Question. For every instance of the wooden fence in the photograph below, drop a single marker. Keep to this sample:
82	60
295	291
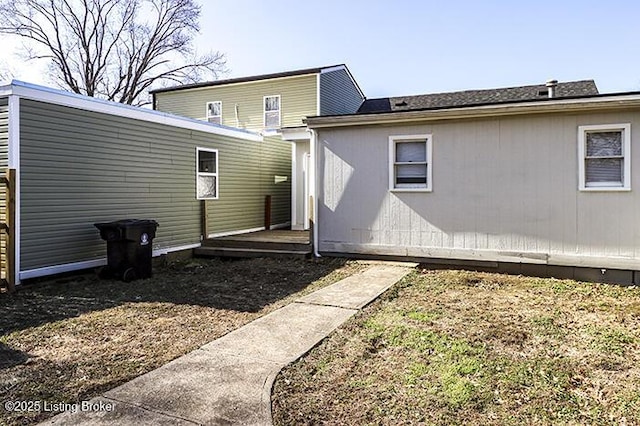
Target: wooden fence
7	229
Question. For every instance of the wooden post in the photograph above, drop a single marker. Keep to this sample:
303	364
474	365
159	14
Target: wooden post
9	181
204	220
267	212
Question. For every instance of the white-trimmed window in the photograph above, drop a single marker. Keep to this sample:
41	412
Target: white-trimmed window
207	174
605	157
214	112
410	163
272	112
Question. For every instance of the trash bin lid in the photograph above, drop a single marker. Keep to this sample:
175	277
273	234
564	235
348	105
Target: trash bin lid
127	223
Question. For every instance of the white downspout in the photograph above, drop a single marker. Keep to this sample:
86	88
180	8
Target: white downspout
315	189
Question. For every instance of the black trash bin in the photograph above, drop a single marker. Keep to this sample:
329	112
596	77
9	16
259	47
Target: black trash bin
129	248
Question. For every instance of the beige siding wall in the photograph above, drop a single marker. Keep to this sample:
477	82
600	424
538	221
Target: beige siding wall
507	185
4	162
298	97
338	94
80	167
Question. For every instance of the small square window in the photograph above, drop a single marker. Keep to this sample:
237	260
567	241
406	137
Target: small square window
410	163
214	112
272	112
604	157
207	174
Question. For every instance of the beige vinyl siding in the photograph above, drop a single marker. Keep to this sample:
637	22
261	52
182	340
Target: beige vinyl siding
503	189
298	99
338	93
4	162
80	167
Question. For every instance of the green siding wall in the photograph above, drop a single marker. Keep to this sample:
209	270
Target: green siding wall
247	175
338	94
80	167
298	97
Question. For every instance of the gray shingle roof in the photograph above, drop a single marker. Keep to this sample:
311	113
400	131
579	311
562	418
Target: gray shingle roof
477	97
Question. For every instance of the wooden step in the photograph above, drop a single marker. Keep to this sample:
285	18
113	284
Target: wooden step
249	252
259	245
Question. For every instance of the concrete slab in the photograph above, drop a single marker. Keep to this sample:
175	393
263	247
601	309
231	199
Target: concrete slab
229	380
120	414
357	291
284	335
205	388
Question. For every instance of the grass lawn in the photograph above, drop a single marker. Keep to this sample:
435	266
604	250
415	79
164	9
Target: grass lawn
452	347
70	339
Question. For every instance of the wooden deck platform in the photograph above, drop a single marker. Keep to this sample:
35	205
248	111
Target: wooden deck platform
271	243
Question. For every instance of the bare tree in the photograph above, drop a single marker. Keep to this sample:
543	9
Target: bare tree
113	49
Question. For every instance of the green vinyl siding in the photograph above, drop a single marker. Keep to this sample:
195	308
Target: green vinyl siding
298	99
4	162
80	167
247	176
338	93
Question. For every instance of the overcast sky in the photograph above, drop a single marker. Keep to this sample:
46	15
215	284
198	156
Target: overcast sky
412	47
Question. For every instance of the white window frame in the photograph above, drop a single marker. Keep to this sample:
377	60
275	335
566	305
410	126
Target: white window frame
625	128
264	111
393	140
212	116
216	174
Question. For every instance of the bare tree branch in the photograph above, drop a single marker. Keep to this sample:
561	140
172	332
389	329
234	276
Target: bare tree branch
114	49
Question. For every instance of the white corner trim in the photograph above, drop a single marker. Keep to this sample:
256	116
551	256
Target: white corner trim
318	93
294	184
626	150
14	163
77	266
73	100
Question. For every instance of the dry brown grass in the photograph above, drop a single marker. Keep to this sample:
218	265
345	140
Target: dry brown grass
71	339
452	347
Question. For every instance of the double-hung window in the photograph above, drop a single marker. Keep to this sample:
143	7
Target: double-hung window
410	163
605	161
272	112
214	112
207	174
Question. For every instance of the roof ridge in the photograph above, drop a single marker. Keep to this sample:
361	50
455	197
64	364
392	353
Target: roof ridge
256	77
485	90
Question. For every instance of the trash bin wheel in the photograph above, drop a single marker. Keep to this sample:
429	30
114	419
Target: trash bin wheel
129	275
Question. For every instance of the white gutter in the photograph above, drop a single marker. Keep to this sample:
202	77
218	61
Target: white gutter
611	102
314	178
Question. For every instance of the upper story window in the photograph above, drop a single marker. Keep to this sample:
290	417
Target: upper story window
207	174
272	112
410	163
605	161
214	112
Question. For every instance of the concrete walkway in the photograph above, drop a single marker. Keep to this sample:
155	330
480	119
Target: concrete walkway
229	380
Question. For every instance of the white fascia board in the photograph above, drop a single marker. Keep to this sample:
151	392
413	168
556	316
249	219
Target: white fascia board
332	69
73	100
521	108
